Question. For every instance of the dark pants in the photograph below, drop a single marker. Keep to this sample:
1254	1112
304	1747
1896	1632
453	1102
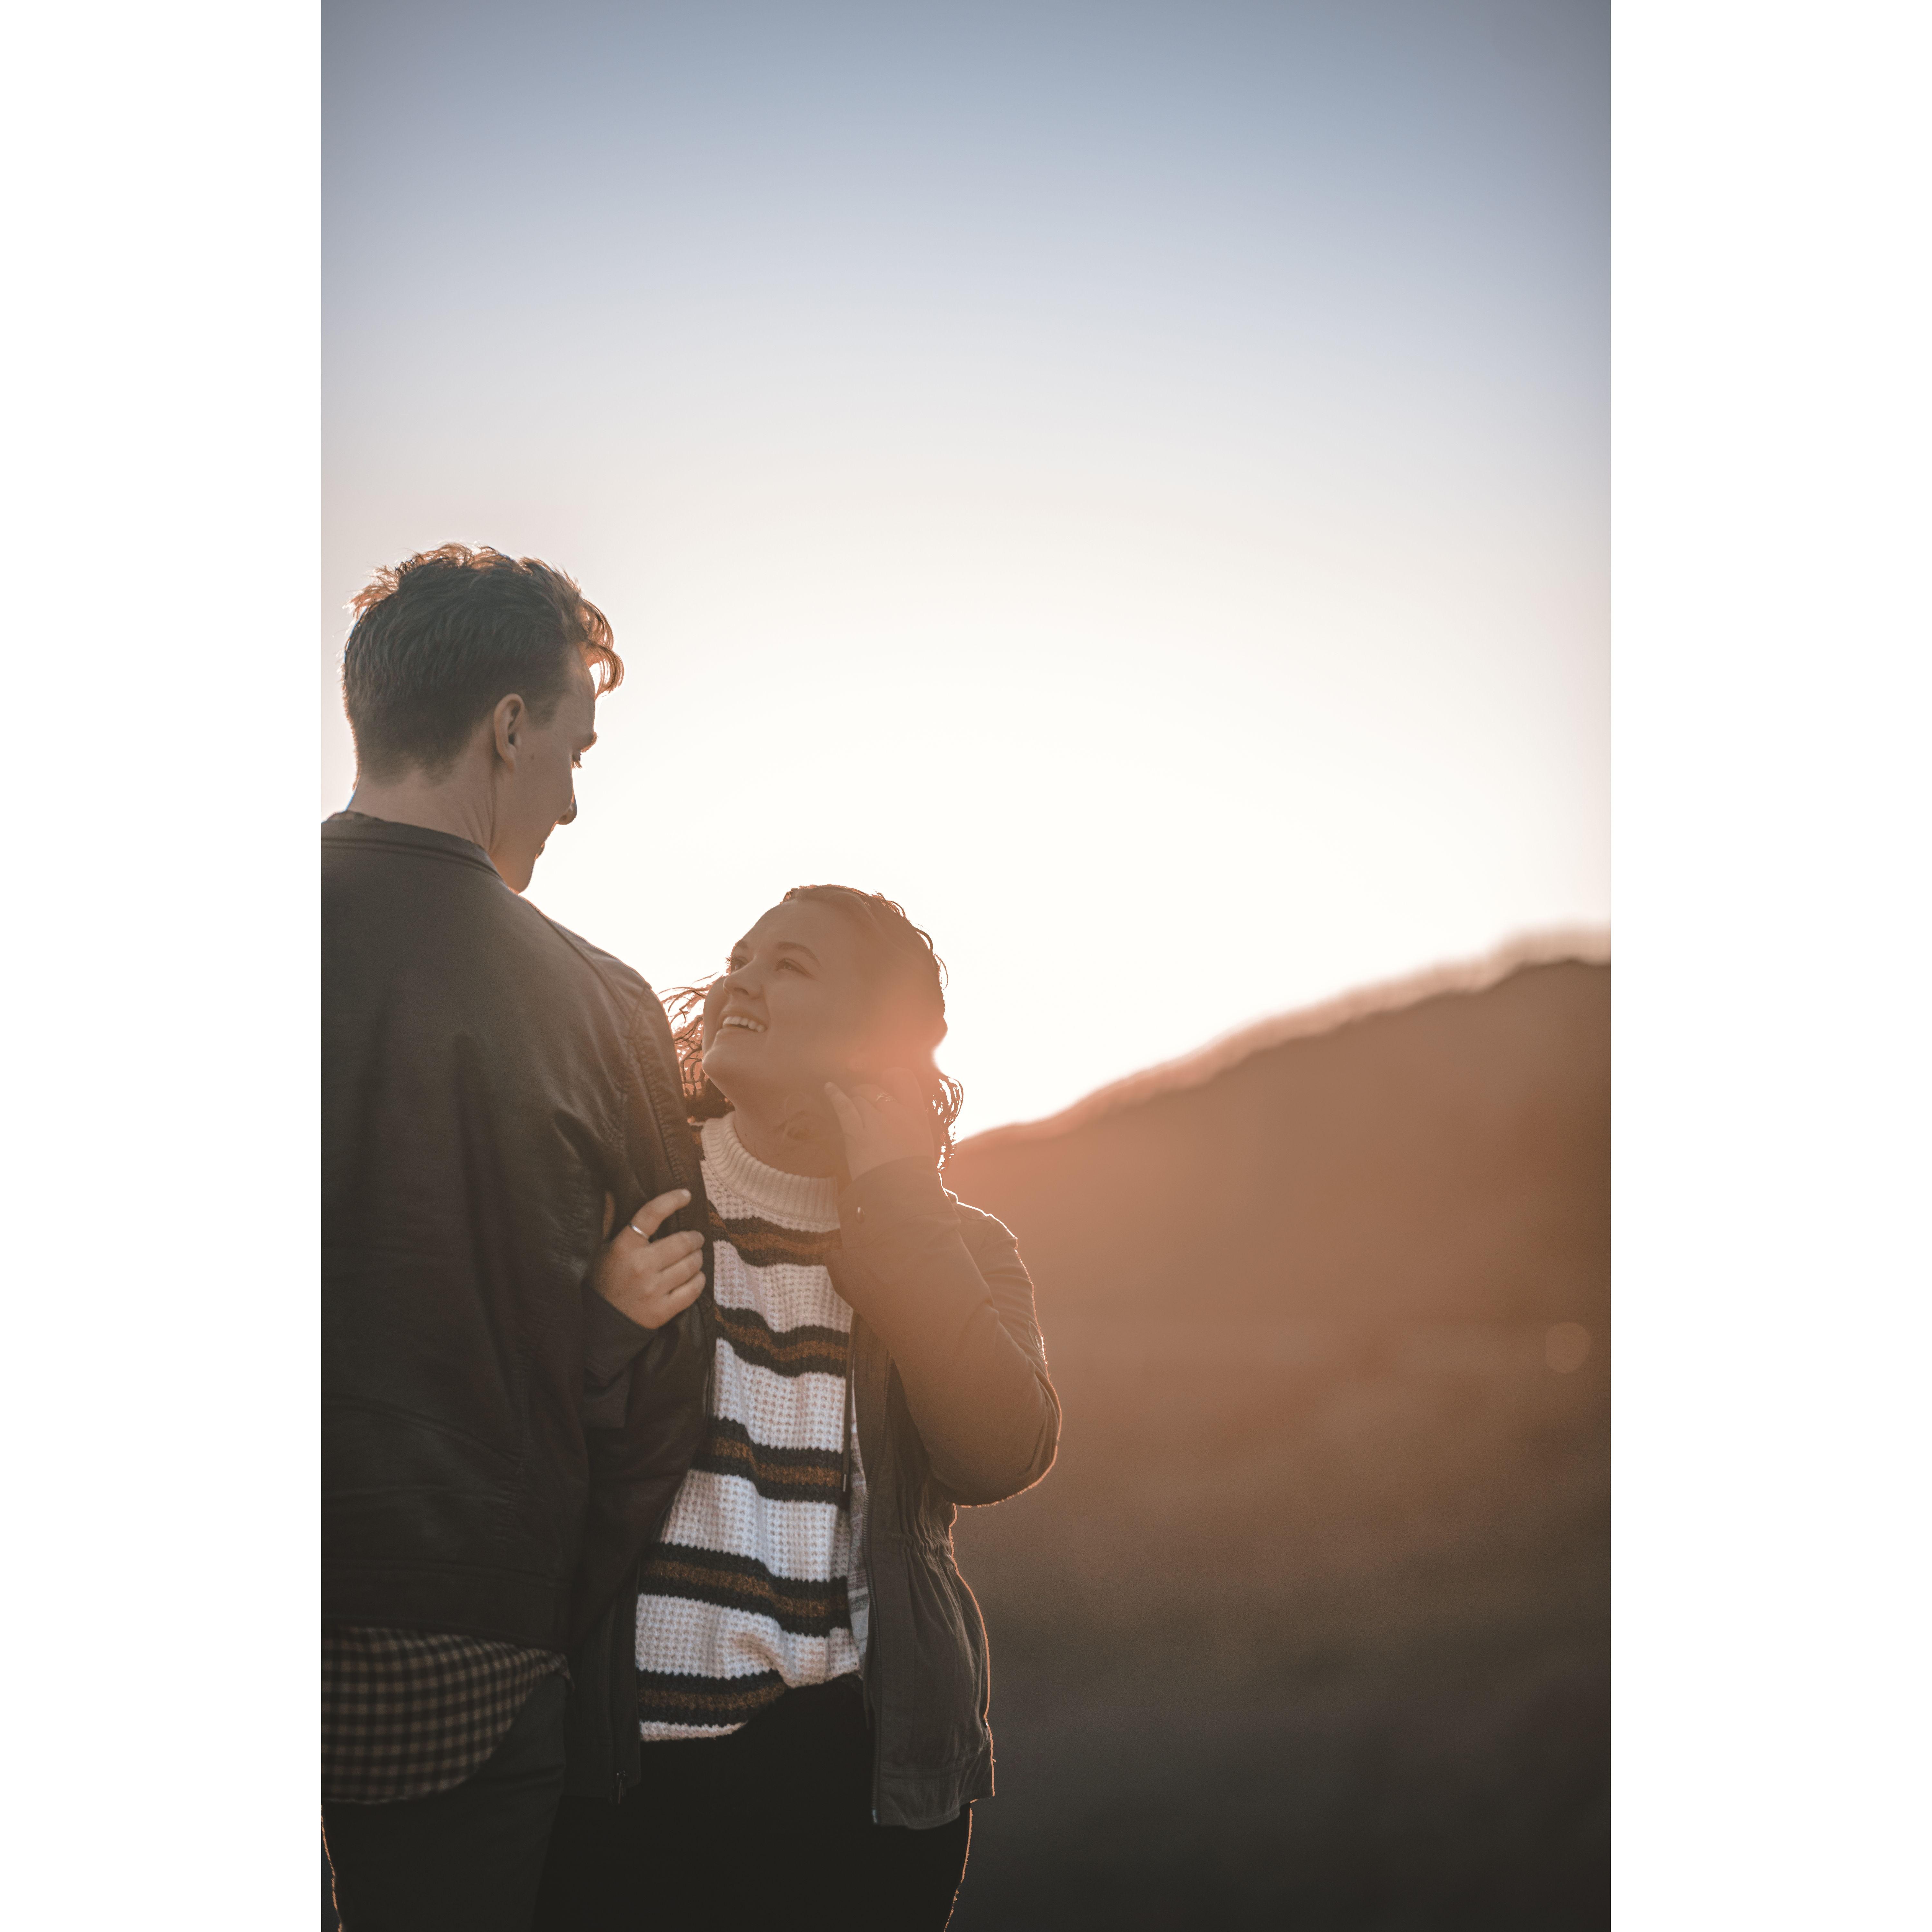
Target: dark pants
770	1826
466	1860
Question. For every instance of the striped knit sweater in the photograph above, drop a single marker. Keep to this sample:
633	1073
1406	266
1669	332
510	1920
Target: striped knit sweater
753	1589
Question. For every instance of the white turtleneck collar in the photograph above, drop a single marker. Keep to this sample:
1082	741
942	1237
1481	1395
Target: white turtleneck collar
803	1200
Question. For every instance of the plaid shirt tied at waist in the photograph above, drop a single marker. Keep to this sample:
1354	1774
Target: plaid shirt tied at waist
406	1714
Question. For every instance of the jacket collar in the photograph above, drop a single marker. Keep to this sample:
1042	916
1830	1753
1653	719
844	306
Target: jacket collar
358	828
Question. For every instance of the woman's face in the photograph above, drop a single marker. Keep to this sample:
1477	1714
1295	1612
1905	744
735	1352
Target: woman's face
792	1011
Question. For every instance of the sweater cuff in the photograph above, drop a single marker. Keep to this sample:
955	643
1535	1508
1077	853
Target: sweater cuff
612	1341
894	1192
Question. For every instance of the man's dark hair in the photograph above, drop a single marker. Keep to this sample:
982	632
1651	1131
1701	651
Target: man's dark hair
441	637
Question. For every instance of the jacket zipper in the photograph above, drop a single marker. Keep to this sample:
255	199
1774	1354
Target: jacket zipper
614	1662
864	1561
848	1423
687	1170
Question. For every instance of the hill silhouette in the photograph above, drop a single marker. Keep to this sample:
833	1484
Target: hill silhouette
1309	1626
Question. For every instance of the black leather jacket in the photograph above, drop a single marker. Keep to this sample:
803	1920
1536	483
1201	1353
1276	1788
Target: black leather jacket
487	1078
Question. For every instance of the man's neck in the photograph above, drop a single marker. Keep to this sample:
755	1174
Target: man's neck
447	805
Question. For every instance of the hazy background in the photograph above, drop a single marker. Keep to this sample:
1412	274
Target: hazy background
1129	481
1308	1625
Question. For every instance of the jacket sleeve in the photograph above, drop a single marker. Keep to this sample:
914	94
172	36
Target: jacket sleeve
612	1341
644	1413
649	1166
960	1326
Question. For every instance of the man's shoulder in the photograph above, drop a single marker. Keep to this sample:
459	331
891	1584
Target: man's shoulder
626	983
405	879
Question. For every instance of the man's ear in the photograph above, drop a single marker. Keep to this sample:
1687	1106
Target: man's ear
507	723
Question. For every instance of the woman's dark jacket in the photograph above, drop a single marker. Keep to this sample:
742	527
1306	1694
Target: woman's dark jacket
950	1387
487	1079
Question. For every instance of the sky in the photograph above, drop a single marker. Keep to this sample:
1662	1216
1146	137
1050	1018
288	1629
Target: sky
1129	481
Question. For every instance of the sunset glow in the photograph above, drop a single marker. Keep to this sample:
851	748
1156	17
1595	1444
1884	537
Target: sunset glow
1129	485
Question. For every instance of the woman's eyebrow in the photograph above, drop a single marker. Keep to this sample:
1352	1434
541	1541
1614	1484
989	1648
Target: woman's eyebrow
796	946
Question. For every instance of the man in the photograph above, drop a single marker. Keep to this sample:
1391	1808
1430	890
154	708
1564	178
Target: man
499	1442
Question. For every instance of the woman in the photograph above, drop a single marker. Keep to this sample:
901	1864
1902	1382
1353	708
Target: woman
812	1670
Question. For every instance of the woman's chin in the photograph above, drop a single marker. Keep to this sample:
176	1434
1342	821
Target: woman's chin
736	1070
717	1070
